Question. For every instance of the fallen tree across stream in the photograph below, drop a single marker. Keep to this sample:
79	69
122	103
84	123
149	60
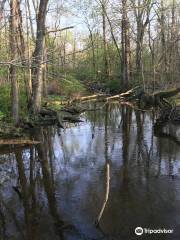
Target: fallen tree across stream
134	97
135	94
71	110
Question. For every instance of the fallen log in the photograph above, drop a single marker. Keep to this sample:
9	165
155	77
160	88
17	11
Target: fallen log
91	97
126	94
157	99
72	119
135	94
73	110
47	112
53	115
18	142
45	121
168	93
7	149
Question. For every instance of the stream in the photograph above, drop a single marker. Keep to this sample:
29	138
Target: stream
111	168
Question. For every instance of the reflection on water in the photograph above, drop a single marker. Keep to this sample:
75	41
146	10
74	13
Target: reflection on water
110	169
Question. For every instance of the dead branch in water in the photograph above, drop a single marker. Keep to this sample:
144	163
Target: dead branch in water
106	195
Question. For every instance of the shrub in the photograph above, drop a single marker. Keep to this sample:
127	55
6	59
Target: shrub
5	102
67	86
114	85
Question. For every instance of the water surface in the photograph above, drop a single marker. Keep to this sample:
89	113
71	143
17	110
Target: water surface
57	189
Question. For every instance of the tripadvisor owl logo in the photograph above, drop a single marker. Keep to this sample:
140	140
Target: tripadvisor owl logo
139	231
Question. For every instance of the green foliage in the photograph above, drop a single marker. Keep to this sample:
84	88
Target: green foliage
65	86
1	115
85	70
3	72
23	104
5	102
114	85
71	86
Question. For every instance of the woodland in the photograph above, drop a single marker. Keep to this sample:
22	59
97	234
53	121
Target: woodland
89	119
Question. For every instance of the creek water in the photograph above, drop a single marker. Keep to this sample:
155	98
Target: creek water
112	166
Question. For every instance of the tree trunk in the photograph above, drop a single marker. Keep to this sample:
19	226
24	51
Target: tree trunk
38	57
142	12
125	48
106	60
29	75
30	19
163	40
111	30
139	44
22	52
93	48
13	25
45	72
174	46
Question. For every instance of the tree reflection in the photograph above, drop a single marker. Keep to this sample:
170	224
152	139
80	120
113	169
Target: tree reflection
126	127
2	223
27	193
27	188
48	183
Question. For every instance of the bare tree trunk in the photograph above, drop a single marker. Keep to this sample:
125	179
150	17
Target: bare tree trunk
22	52
152	50
64	53
174	47
125	48
163	40
74	54
13	25
29	77
140	36
45	72
139	44
142	12
112	33
93	50
106	60
30	19
38	57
